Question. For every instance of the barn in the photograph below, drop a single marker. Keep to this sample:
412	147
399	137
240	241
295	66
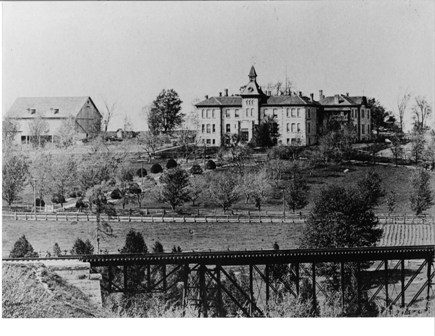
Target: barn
43	117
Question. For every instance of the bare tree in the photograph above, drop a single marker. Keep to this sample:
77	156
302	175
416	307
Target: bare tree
422	110
67	134
402	105
38	127
9	131
108	115
150	143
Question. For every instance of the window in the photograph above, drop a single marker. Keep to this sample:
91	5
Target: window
227	113
203	127
363	130
288	128
208	114
202	114
299	127
55	111
236	114
274	112
213	141
288	115
308	113
308	128
212	113
362	113
293	128
247	112
299	112
228	128
208	141
266	111
288	141
32	111
214	128
293	112
309	141
208	128
252	112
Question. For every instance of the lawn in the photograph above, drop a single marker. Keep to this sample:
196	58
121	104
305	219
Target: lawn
189	236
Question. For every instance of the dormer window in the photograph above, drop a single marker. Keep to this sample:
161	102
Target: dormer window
32	111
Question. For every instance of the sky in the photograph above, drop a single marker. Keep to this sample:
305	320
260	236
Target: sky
126	53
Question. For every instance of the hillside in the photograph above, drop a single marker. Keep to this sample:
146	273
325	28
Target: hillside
31	291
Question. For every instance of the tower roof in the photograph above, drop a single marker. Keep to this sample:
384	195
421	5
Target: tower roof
252	73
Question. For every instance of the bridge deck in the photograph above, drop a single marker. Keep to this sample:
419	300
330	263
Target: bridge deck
258	257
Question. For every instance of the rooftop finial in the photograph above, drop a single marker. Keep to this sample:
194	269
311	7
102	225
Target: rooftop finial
252	74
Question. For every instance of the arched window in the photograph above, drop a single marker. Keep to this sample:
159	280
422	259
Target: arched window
293	128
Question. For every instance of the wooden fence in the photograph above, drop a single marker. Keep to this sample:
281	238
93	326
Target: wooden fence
69	217
165	218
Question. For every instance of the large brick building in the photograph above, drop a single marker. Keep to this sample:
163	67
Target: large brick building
54	111
299	118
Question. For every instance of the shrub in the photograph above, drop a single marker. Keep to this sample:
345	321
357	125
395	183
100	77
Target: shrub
40	202
196	170
80	204
57	252
22	248
80	247
56	199
171	164
134	188
127	176
210	165
156	168
116	194
142	172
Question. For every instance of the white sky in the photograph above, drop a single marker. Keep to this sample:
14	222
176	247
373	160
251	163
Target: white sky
127	52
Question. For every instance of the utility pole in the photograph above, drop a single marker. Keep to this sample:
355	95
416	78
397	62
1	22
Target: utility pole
34	195
283	202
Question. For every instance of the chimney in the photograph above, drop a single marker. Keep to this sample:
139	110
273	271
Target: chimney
226	92
206	96
336	99
312	96
220	94
347	94
321	96
300	93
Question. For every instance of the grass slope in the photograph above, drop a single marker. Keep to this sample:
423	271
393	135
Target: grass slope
31	291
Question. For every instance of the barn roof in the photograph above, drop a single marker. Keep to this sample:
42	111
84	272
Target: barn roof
47	107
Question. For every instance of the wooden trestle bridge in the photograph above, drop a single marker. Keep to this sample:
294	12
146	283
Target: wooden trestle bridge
391	277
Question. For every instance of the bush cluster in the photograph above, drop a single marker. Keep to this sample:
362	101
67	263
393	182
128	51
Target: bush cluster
156	168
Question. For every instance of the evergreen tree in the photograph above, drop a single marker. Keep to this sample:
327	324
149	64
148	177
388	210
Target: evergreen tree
421	195
23	249
175	187
81	248
296	193
371	188
134	243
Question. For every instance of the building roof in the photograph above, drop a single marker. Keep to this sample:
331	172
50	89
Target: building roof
289	100
235	101
342	100
47	106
